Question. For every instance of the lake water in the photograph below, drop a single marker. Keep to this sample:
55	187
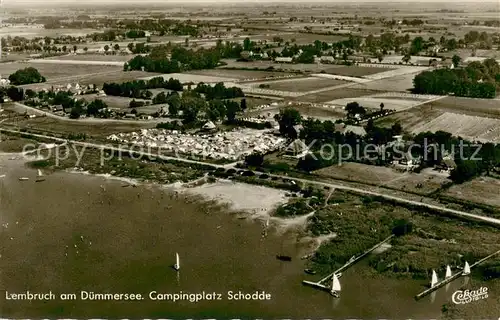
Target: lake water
130	237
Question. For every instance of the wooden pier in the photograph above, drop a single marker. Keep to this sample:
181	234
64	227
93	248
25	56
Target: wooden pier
319	284
453	277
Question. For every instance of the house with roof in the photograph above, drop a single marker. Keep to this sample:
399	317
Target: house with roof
296	150
209	126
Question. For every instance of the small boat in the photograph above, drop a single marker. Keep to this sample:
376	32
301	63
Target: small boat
434	279
177	265
466	269
24	179
39	177
309	271
335	287
284	258
267	223
448	272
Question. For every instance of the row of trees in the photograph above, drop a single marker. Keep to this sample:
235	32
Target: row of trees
477	80
181	59
137	88
219	91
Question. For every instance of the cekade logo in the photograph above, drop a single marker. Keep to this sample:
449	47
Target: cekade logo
467	296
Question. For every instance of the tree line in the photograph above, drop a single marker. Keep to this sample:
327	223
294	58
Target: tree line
470	160
139	88
476	80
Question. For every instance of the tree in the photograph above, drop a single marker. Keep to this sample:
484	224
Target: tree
287	119
75	113
247	44
380	57
116	47
106	49
243	104
381	106
64	49
160	98
75	48
406	58
232	109
85	49
456	60
26	76
255	159
186	42
174	104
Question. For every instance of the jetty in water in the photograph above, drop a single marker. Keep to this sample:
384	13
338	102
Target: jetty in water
320	283
457	275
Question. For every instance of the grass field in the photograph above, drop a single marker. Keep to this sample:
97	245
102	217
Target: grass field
239	74
374	103
473	107
53	71
355	71
325	96
95	57
384	176
482	190
51	125
111	101
302	85
397	83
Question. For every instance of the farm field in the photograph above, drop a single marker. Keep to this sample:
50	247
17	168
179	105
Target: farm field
94	129
473	107
469	127
303	84
397	83
111	101
240	74
304	38
329	95
53	72
355	71
194	78
94	57
481	190
98	79
291	67
374	102
384	176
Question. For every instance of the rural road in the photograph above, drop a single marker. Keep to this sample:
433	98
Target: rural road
38	112
314	182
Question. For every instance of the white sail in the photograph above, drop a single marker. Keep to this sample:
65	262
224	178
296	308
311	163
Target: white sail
434	279
335	283
267	223
177	264
448	272
40	174
466	268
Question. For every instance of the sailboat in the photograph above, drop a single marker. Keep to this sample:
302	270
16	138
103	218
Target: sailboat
466	269
177	265
335	286
40	177
448	272
434	279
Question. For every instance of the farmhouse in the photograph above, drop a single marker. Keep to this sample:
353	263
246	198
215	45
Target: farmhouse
295	150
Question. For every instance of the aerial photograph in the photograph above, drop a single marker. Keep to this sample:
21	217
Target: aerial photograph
249	159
